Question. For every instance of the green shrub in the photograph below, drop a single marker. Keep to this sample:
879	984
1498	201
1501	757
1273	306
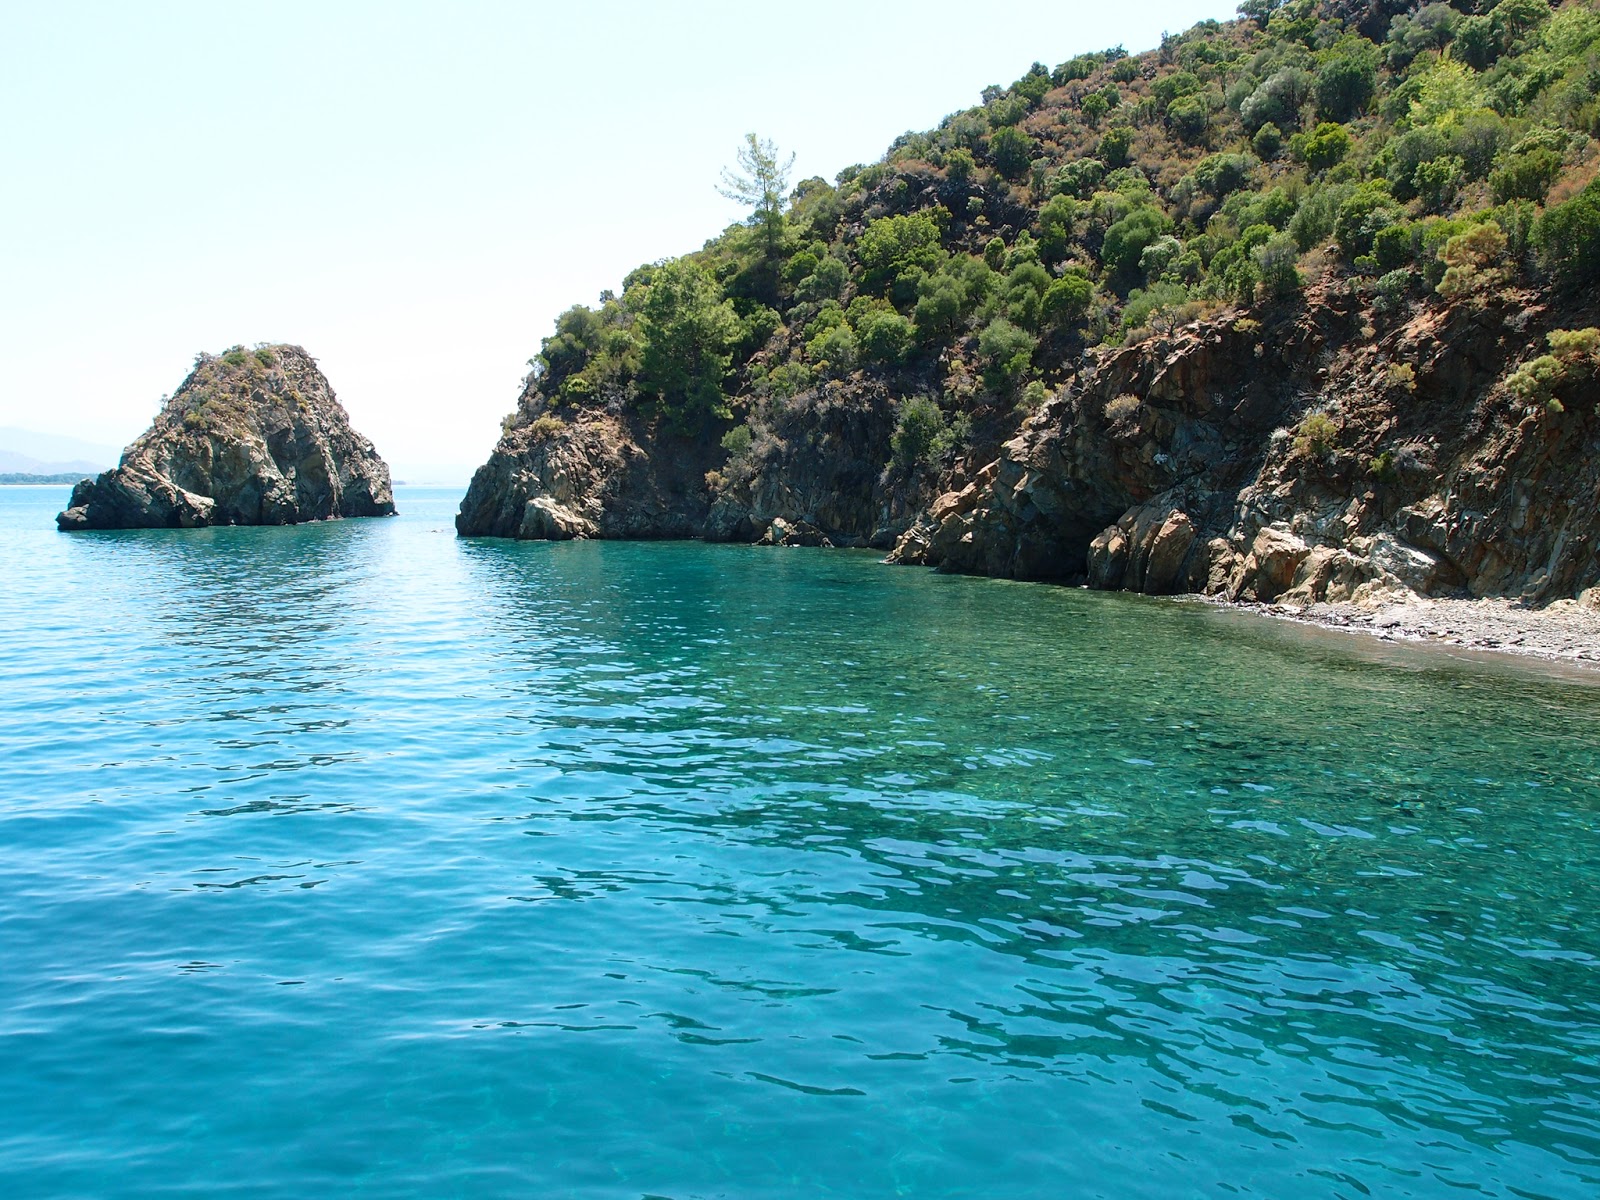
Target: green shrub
1526	176
1317	215
1126	240
545	427
689	333
1277	267
940	307
1067	299
1189	119
1122	409
919	430
1574	358
1393	247
1346	78
1316	435
1007	353
885	338
1278	100
1267	142
1568	237
1056	219
1471	261
1392	290
1324	147
891	247
1115	145
1401	376
1012	151
1220	174
1158	300
835	350
1080	177
1367	210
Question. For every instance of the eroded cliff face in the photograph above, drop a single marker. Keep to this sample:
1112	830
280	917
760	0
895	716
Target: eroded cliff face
819	480
597	475
1331	452
250	438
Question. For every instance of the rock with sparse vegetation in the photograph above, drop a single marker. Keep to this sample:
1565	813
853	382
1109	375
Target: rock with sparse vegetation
252	437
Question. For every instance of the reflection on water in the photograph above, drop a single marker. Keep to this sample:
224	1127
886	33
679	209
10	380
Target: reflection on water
389	863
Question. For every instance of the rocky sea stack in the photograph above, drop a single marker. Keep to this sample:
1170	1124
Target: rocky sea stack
252	437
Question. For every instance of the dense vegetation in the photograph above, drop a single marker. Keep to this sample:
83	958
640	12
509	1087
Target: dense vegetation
1395	149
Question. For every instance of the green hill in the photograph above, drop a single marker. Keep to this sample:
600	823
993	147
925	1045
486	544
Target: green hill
1322	239
1430	149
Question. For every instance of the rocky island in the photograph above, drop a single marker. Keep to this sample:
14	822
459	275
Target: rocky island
252	437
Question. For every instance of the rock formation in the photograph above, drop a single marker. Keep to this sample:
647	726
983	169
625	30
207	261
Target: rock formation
596	473
1335	453
252	437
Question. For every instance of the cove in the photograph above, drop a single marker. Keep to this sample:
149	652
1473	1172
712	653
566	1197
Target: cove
358	858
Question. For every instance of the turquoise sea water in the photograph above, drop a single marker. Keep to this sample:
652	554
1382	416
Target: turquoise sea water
355	859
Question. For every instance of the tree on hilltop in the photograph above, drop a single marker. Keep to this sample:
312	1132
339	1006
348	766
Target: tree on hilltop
761	182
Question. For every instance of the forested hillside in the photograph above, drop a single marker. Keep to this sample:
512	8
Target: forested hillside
902	321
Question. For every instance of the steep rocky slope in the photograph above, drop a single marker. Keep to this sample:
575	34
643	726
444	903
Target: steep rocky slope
250	438
1315	457
1296	307
615	475
1332	452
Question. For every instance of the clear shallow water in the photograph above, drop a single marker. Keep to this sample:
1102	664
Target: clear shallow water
357	859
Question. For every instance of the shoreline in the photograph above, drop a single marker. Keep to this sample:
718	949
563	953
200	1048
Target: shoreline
1565	632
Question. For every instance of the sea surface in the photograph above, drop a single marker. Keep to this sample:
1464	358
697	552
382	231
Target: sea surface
355	859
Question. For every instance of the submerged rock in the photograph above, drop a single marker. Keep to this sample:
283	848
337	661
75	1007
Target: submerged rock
252	437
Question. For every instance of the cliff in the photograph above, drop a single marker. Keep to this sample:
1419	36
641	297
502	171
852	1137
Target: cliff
1316	457
252	437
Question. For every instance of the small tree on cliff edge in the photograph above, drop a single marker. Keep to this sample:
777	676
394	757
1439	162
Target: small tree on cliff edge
761	182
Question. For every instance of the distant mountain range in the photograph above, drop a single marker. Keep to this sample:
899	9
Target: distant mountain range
25	451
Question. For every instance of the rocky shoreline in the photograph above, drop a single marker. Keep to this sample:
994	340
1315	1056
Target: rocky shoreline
1567	631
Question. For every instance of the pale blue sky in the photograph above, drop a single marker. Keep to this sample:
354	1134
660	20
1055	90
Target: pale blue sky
413	191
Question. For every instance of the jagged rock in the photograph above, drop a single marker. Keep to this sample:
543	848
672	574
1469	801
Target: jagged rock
1146	551
1168	550
250	438
1177	463
1108	559
793	533
1269	569
1442	485
544	519
629	477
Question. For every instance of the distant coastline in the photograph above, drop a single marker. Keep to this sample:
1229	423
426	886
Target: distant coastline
25	477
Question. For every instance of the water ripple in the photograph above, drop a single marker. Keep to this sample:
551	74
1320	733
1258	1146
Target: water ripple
390	864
